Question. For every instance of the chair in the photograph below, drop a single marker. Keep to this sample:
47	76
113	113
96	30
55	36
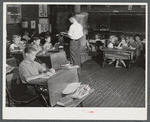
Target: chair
46	89
17	93
40	89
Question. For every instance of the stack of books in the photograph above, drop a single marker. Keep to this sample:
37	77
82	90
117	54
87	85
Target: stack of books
80	92
65	101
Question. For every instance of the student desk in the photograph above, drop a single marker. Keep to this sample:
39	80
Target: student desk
120	54
57	83
53	59
17	55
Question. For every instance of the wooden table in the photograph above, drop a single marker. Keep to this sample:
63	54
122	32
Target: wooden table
119	54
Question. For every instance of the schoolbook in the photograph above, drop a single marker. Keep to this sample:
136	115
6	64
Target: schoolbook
80	92
65	101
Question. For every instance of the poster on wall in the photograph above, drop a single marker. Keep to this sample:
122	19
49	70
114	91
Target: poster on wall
33	24
45	10
43	25
24	24
42	10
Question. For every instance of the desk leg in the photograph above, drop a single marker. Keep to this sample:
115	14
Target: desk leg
103	64
129	65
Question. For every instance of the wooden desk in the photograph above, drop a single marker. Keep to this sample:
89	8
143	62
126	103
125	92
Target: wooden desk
57	83
53	59
17	55
77	102
120	54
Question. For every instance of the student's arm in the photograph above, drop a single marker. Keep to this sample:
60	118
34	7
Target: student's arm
119	45
28	79
69	33
26	76
12	49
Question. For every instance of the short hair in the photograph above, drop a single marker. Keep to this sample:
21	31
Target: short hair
26	32
72	15
36	38
47	36
14	37
29	49
136	36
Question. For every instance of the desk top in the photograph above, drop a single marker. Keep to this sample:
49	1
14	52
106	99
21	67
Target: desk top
105	49
43	81
16	52
48	53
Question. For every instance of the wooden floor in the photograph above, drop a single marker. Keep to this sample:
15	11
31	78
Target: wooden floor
114	87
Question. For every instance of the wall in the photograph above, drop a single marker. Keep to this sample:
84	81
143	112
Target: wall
13	20
116	18
59	17
30	13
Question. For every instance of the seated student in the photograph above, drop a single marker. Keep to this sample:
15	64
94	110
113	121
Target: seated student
127	39
137	44
97	37
36	45
130	40
15	45
26	36
111	45
123	43
47	46
117	41
30	69
111	42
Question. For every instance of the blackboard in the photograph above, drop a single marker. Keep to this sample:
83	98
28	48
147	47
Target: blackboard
127	23
13	29
98	20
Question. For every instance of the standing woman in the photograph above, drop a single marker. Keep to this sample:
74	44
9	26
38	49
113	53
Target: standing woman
75	33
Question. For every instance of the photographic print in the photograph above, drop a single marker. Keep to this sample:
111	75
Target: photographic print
90	65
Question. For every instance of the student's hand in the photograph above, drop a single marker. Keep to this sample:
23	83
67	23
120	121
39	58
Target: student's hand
52	70
49	74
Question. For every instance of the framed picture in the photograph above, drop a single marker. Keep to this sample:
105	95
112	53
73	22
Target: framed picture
24	24
33	24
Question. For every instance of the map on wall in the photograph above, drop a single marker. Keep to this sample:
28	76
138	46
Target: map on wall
13	14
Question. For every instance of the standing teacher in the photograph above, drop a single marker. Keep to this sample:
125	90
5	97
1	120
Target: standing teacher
75	33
